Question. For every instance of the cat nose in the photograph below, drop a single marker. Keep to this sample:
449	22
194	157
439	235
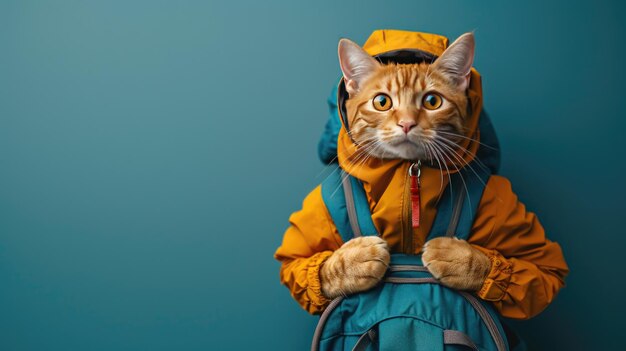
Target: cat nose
406	125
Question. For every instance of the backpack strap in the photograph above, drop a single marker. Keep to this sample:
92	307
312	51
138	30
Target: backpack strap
458	205
450	337
456	212
358	207
347	204
348	207
353	218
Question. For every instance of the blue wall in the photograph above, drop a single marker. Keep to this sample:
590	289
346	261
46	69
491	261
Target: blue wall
152	151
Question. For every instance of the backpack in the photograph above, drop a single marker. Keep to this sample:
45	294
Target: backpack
409	310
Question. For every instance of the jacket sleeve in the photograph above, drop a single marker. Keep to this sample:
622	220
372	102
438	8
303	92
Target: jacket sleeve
527	269
307	243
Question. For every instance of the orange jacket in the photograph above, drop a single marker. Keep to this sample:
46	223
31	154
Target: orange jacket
527	269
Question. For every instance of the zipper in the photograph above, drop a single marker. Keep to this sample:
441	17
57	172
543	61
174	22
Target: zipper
414	173
411	206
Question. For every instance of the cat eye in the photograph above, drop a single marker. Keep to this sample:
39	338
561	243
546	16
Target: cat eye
382	102
432	101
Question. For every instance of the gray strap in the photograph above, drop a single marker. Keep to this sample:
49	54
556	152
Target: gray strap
456	211
450	337
317	336
365	341
352	217
497	337
407	280
407	268
455	337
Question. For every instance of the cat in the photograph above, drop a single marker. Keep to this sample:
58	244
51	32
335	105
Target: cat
411	112
408	99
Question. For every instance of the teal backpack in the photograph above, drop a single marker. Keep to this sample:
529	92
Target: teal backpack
409	310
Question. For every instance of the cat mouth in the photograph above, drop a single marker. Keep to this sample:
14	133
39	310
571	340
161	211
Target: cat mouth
407	149
404	141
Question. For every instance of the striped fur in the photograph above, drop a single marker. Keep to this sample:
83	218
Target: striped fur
356	266
406	85
360	263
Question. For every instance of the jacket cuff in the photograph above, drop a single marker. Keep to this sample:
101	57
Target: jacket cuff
497	281
314	292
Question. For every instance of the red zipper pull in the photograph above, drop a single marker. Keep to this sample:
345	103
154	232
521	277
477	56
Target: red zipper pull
415	194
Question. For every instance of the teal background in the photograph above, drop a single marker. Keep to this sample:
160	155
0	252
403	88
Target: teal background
152	151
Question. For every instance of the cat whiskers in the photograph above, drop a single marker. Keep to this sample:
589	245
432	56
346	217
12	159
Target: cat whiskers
451	146
468	138
359	162
438	145
440	156
358	158
475	157
369	154
335	168
485	168
431	155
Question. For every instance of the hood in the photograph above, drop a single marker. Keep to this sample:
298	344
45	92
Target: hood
408	47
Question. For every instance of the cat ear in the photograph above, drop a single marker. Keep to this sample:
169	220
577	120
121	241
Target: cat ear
356	65
456	62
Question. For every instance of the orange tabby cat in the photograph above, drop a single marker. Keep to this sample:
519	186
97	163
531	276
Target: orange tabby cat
417	112
407	117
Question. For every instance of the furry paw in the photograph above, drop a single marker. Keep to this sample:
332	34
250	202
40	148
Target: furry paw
356	266
456	263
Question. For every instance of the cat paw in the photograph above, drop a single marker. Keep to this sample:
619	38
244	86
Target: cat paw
358	265
455	263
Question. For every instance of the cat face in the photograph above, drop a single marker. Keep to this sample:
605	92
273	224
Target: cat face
407	111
